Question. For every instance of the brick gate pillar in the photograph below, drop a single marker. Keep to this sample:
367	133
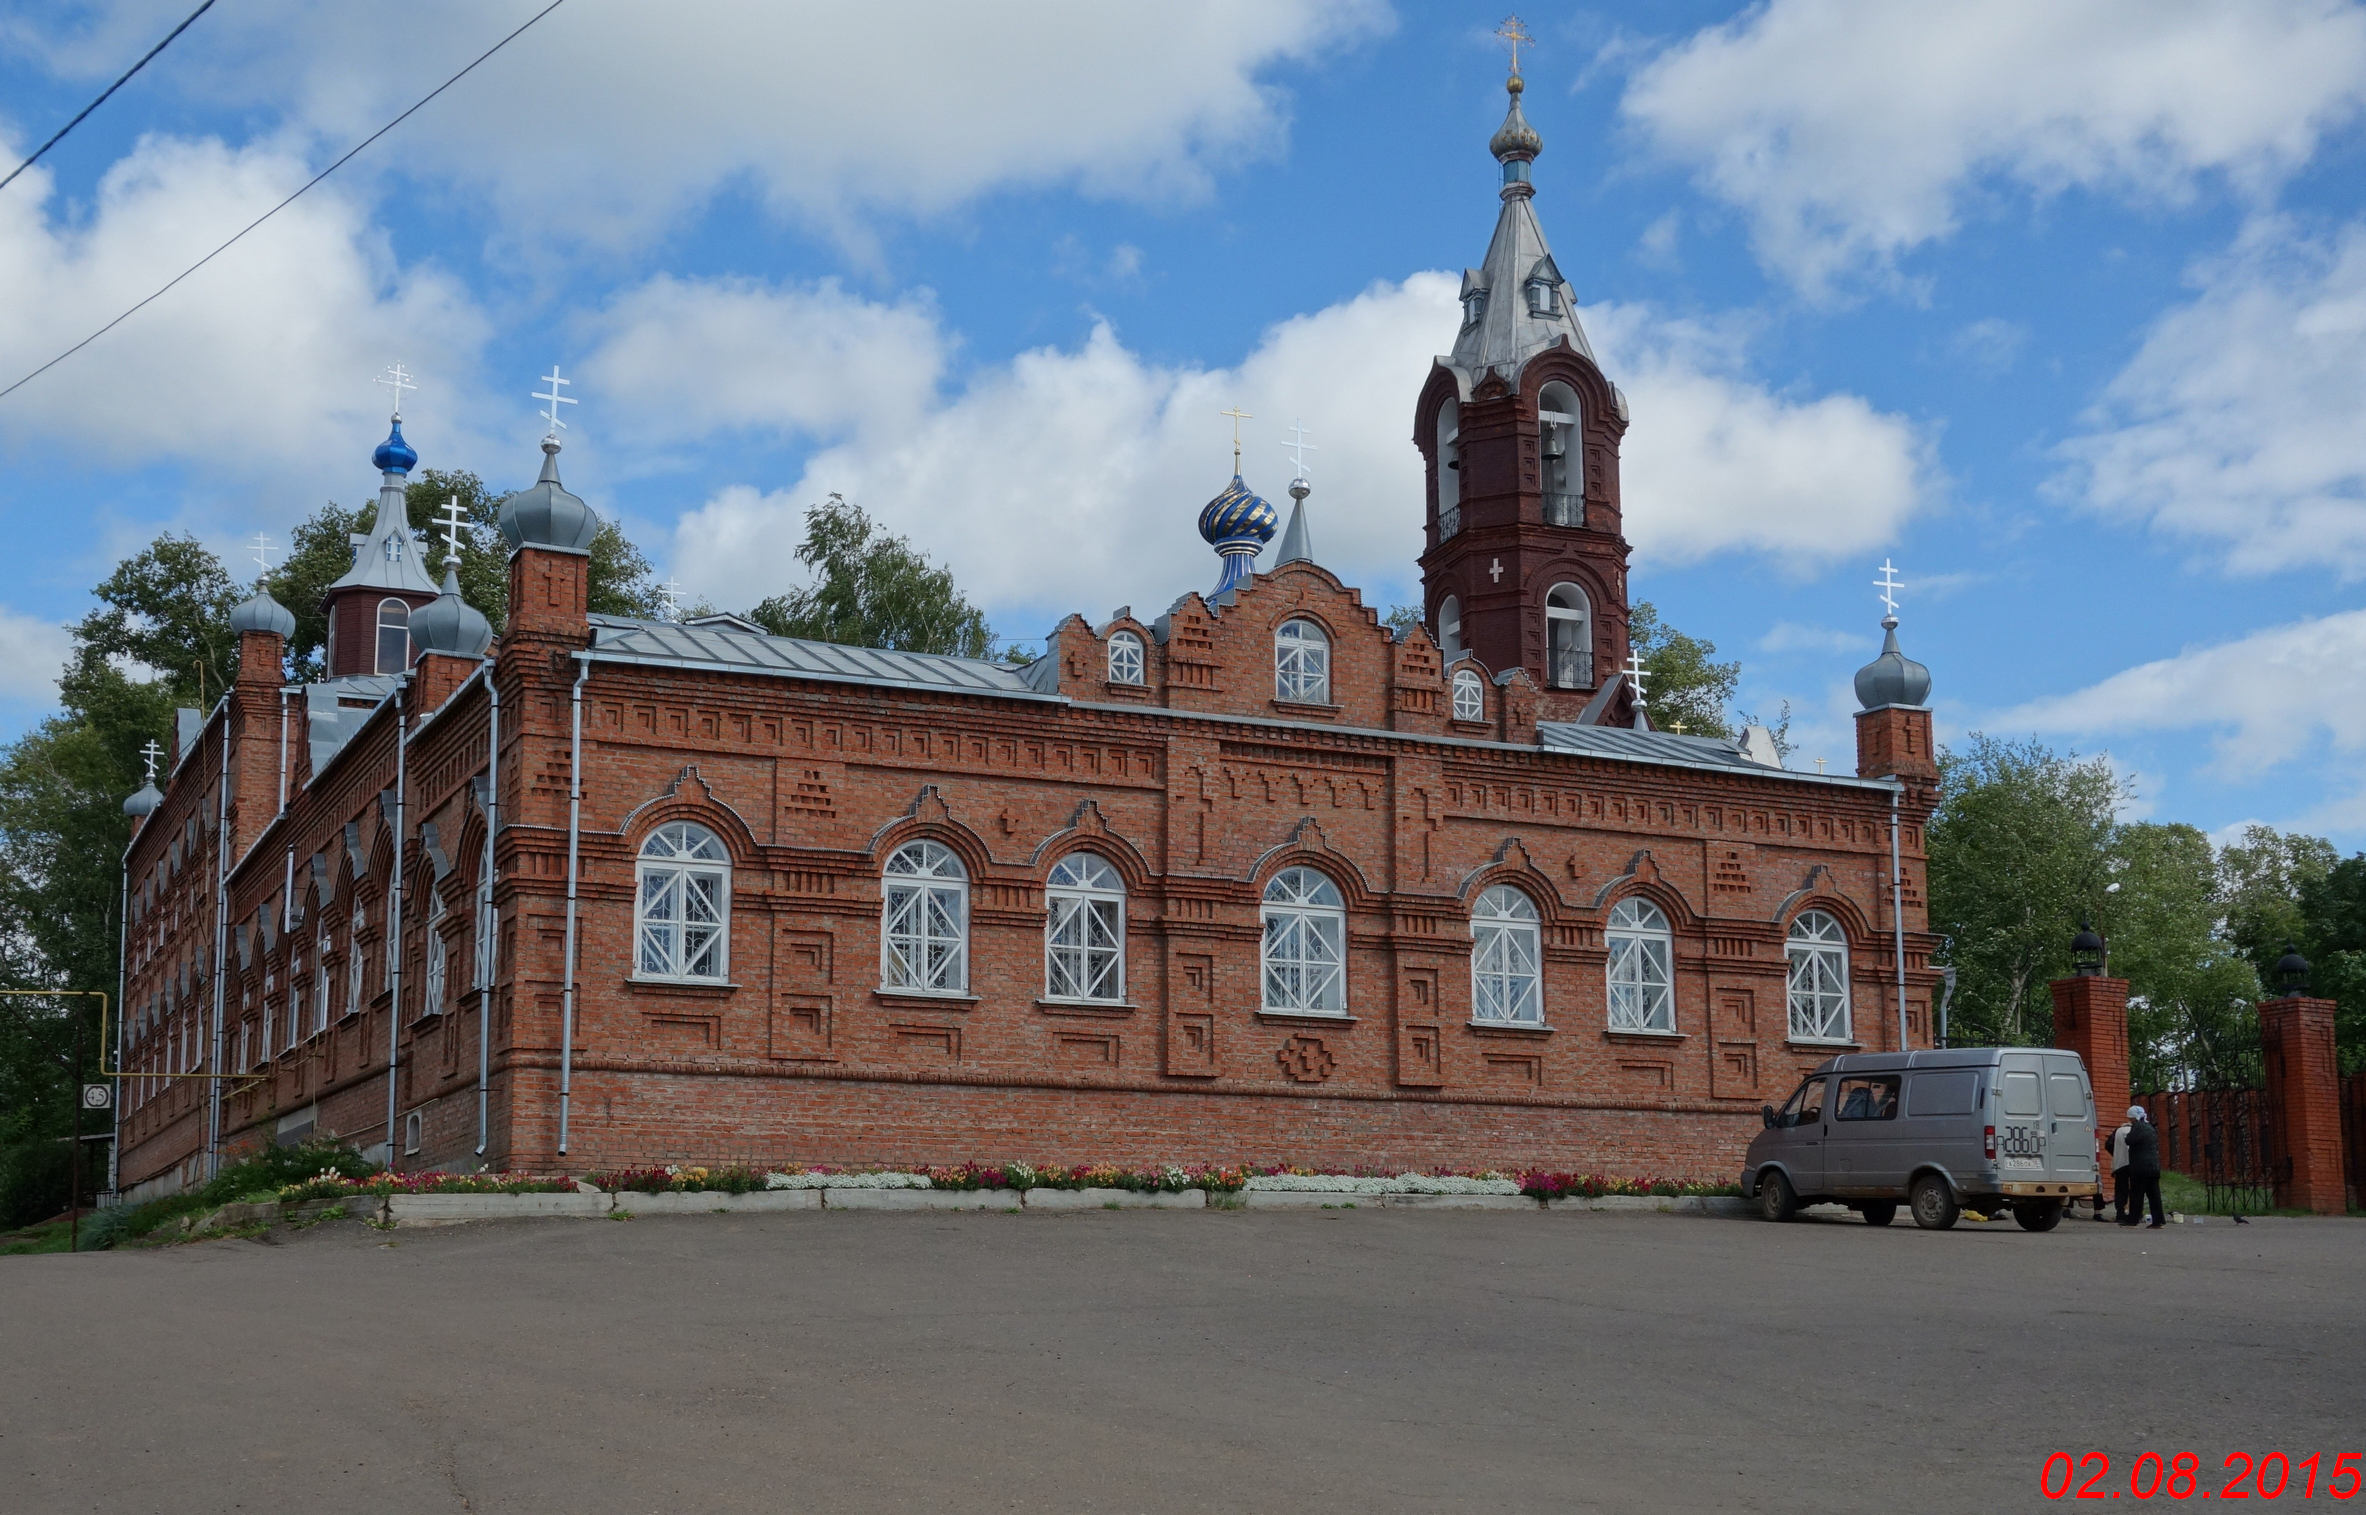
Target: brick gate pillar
2303	1100
2091	1019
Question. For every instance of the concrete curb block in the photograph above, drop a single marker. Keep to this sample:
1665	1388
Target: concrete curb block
451	1209
1341	1199
708	1202
1115	1199
1455	1201
918	1199
1664	1204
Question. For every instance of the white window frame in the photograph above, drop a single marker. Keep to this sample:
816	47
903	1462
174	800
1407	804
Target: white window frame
1128	663
924	921
681	866
1450	626
356	962
1301	662
1507	959
1470	696
487	923
1084	929
1581	617
432	981
1302	956
1640	976
1449	439
382	625
320	979
1816	958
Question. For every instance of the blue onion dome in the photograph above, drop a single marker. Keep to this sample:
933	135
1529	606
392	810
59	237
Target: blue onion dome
545	515
1893	678
449	624
1515	138
143	801
263	613
1238	514
394	455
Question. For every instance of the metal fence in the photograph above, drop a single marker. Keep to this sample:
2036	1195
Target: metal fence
2221	1137
2353	1133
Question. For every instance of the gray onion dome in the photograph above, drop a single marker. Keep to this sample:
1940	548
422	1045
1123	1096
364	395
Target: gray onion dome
449	624
263	613
1893	678
147	797
545	515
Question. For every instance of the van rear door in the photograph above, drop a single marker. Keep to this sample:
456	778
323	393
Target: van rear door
2070	1121
2021	1119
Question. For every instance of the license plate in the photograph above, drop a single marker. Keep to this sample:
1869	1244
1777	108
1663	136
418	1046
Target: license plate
2022	1147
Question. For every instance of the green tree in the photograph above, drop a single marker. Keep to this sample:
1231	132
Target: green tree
2333	937
2191	991
871	589
1684	684
168	607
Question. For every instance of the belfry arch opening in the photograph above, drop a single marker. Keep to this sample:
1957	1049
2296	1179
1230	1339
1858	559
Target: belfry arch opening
1557	419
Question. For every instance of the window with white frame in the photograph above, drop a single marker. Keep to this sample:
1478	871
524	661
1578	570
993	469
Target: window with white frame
481	948
394	636
1302	663
1507	953
1642	968
1818	953
1470	696
392	940
432	1002
270	992
1450	626
924	920
1449	468
355	961
1305	948
320	978
1569	637
1125	658
1084	931
683	902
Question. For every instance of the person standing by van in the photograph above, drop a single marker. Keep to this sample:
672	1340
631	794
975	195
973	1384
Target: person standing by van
2144	1170
2118	1152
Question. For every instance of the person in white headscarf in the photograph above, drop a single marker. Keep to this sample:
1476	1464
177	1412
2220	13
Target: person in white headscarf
2144	1170
2117	1150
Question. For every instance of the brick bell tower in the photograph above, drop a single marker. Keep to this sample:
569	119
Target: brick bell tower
1526	563
369	609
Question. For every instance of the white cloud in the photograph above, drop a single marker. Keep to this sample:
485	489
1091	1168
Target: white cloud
613	119
1071	478
1790	636
1990	344
2270	696
259	360
1850	132
2236	425
32	654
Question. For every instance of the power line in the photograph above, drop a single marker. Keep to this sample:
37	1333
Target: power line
102	99
284	204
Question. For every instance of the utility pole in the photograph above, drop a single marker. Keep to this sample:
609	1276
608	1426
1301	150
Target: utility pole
74	1150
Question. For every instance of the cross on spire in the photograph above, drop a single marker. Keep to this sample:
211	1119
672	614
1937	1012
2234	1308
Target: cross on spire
1514	33
152	752
669	595
550	412
454	522
398	379
1636	673
1298	447
1238	415
260	551
1889	584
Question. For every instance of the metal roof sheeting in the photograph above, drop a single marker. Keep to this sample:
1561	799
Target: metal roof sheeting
619	638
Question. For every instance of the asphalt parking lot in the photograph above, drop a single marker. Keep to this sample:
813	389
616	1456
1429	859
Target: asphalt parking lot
1361	1360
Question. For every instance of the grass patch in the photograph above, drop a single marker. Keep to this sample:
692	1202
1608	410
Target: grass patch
49	1236
2186	1195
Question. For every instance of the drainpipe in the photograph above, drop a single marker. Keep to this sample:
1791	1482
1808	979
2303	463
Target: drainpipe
394	924
488	943
213	1085
284	693
122	953
1898	915
574	833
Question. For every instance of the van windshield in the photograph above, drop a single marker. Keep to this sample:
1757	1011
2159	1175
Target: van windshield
1806	1107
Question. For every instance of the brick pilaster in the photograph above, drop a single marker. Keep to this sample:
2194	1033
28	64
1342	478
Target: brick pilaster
2091	1019
2304	1103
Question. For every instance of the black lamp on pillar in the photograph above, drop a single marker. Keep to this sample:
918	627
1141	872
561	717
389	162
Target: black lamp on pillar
2086	951
2290	974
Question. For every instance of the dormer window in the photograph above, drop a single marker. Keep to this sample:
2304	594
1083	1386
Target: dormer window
1470	696
1125	658
1474	305
1543	299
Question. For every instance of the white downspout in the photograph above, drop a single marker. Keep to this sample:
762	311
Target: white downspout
1898	915
122	977
213	1085
394	931
489	942
574	833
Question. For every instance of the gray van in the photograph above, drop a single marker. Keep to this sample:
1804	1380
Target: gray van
1934	1129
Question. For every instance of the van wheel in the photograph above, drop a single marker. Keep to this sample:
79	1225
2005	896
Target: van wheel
2038	1214
1776	1199
1934	1203
1880	1213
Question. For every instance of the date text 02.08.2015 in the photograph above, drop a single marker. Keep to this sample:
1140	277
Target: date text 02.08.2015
2243	1475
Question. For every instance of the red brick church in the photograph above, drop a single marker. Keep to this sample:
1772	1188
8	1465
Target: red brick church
1257	879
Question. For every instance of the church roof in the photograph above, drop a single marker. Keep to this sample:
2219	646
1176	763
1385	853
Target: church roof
1509	331
1668	747
387	556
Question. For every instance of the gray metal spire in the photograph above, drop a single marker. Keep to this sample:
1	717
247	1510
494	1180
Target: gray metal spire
1515	303
1297	539
387	556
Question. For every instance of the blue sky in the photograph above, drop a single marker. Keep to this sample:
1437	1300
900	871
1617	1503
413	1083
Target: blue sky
2062	308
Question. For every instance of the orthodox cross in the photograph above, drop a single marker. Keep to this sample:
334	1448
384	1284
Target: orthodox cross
1238	415
1514	33
398	379
453	523
669	595
261	551
1635	676
152	752
550	412
1820	764
1298	447
1889	584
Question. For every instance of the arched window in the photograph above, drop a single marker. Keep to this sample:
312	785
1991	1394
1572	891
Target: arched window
1507	987
1818	953
924	921
432	1002
481	974
1569	637
320	979
1564	456
355	961
270	992
683	905
1449	468
1084	931
1450	626
1470	696
1642	976
393	939
1305	944
394	636
1125	658
1302	663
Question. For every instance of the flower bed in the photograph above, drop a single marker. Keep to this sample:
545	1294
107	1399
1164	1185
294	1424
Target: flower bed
1169	1178
333	1185
1539	1183
1397	1183
676	1179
